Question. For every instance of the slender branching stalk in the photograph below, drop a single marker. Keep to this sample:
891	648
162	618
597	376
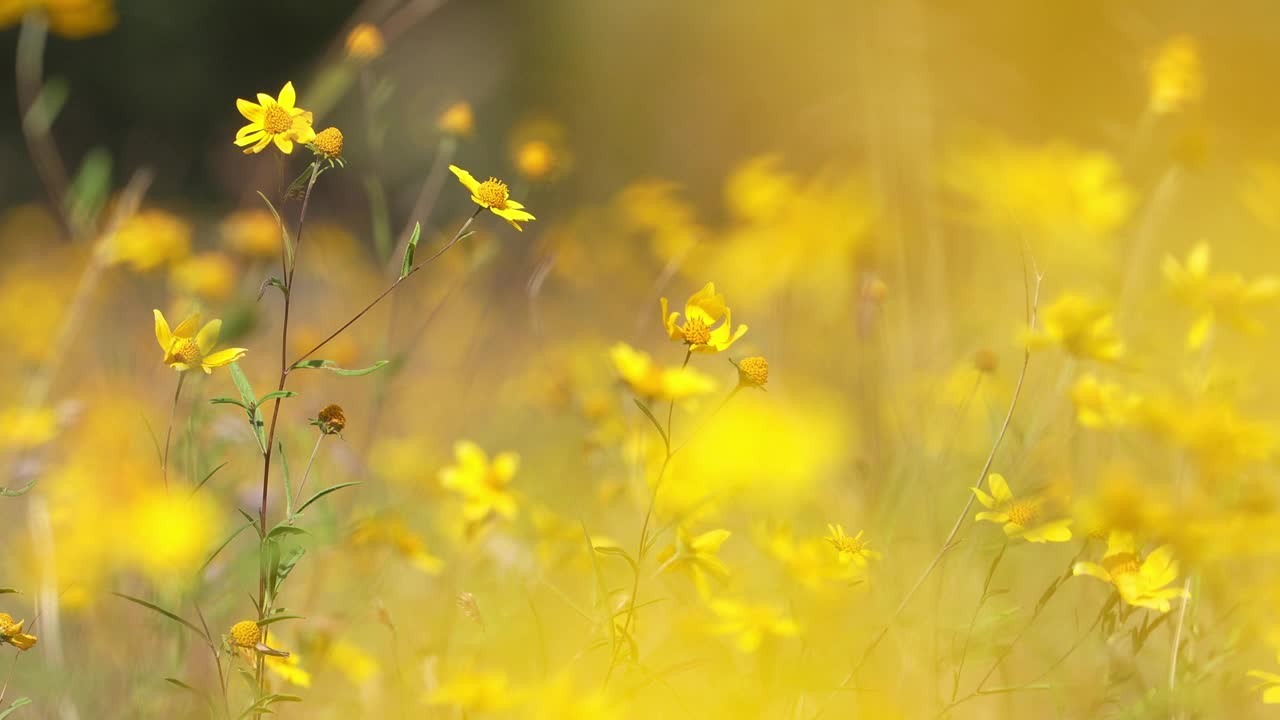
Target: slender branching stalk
168	434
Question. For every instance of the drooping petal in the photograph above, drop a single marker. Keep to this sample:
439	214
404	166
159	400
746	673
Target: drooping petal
164	336
207	338
465	178
986	500
1159	568
225	356
710	304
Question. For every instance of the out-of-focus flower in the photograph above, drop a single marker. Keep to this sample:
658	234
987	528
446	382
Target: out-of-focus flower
758	190
1176	78
808	561
699	556
1271	683
274	120
483	485
1080	326
171	533
328	143
457	119
1140	581
653	382
252	232
1124	501
289	668
1217	296
365	43
749	624
390	531
561	699
493	195
11	632
852	549
700	330
534	159
27	427
148	239
753	372
1220	438
209	275
185	348
351	660
538	149
73	19
475	692
1104	405
1020	518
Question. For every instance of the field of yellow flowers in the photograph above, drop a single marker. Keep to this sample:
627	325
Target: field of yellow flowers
639	359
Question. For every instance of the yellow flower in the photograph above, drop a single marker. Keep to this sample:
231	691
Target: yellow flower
27	427
1102	405
700	331
476	692
252	232
392	532
493	195
1217	296
148	239
852	549
457	119
808	561
1270	681
245	634
482	485
274	121
750	624
1140	582
365	43
652	382
288	667
753	372
184	348
328	143
209	275
1176	78
1021	518
11	632
535	159
171	533
72	19
1080	326
698	556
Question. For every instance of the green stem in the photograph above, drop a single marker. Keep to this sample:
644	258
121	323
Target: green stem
168	435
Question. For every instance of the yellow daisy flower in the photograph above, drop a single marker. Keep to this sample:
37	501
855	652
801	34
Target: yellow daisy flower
1140	581
493	195
184	348
749	624
274	120
1021	518
482	485
11	632
697	555
852	549
1081	326
699	331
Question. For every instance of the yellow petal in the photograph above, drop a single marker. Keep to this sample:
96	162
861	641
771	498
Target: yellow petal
284	143
208	336
505	465
266	101
164	336
465	178
999	488
251	111
223	357
1092	570
187	328
287	96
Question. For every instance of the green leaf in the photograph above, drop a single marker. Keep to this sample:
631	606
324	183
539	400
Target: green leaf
8	591
225	543
324	492
284	232
409	250
330	366
20	702
209	476
272	281
88	192
242	384
280	531
649	414
202	694
618	552
278	618
227	401
6	492
288	483
48	104
166	613
274	394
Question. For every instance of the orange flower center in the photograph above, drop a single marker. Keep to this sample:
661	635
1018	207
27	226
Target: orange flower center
1122	564
754	371
329	142
696	332
276	120
493	193
1023	513
185	351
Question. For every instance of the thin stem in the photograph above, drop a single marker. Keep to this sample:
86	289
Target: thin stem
982	601
1177	634
427	196
1032	310
310	462
217	660
168	435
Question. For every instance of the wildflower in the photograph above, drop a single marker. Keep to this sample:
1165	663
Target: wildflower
147	240
27	427
652	382
808	561
493	195
457	119
852	549
171	533
73	19
1021	518
11	632
184	348
750	624
276	121
1140	582
331	420
700	330
474	692
986	361
245	634
288	667
534	159
698	556
1176	79
482	485
208	275
1217	296
251	232
328	143
391	531
1270	681
365	43
1080	326
1101	405
753	372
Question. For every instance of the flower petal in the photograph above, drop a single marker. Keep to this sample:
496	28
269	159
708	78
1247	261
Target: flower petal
287	96
465	178
999	488
208	336
251	111
164	335
223	357
188	327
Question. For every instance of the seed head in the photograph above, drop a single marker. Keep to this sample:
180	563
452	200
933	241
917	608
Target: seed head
696	331
328	143
753	371
331	420
246	634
